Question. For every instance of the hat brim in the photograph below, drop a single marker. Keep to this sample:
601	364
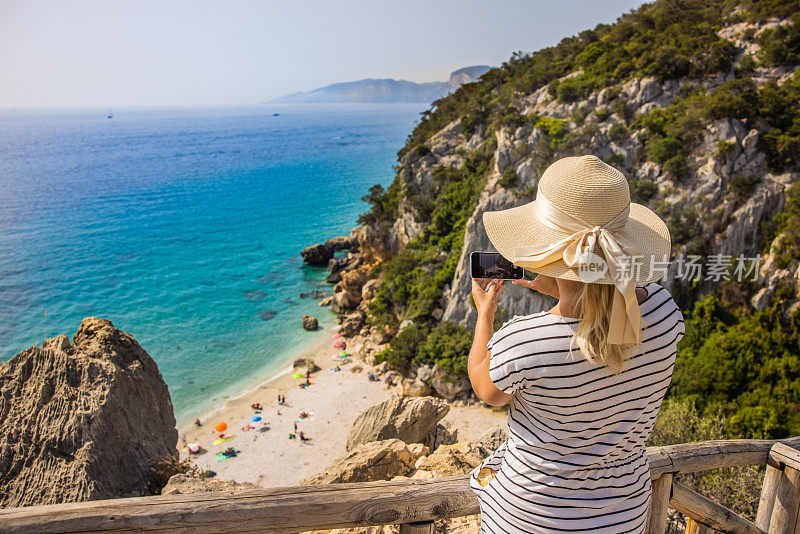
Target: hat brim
519	227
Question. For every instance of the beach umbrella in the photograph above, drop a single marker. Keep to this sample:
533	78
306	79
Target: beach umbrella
221	427
255	418
343	354
193	447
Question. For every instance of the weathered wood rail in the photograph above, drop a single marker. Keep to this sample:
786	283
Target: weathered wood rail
415	504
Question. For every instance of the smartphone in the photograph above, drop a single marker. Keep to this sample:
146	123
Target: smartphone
493	265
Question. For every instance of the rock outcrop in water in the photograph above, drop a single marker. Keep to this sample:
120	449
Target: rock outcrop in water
83	420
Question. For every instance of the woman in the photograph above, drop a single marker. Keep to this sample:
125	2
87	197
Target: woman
586	378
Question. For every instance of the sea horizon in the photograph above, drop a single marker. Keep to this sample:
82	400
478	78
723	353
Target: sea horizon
184	226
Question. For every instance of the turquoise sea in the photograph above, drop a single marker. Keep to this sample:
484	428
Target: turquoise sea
184	228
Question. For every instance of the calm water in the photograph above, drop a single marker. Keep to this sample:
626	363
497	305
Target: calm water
183	227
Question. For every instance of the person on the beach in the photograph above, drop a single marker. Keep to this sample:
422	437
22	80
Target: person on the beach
303	436
197	423
585	379
295	427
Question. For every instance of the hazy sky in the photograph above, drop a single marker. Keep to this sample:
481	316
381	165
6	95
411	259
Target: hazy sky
190	52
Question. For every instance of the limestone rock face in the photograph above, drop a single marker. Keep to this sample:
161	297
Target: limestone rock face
310	323
347	293
83	420
342	242
352	323
375	460
185	484
408	419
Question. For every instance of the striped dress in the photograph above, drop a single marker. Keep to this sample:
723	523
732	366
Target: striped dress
575	459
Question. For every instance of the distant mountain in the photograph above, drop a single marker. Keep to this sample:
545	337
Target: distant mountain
387	90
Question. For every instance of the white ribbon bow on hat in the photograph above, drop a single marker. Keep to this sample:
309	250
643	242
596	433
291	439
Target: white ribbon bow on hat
625	326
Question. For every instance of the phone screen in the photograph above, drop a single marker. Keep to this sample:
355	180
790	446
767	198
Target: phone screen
493	265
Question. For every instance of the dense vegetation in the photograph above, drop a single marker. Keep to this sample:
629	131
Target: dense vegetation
733	361
747	363
667	39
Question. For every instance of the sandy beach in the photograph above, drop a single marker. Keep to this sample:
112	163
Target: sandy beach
267	457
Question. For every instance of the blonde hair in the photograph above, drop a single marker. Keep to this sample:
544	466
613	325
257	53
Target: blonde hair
591	336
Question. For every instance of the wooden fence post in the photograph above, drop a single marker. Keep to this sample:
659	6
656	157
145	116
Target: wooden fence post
693	527
658	511
784	513
766	502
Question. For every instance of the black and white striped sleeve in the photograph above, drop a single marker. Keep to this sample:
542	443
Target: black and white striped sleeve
503	369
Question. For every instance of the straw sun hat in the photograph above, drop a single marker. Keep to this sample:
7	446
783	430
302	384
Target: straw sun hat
583	226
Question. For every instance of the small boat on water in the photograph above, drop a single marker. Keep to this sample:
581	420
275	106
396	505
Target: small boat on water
275	114
110	116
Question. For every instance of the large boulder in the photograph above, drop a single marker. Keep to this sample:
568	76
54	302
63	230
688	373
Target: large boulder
317	254
375	460
302	365
493	438
449	386
448	460
83	420
310	323
443	434
186	484
415	388
408	419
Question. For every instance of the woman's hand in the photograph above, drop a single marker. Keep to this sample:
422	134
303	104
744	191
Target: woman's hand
542	284
485	293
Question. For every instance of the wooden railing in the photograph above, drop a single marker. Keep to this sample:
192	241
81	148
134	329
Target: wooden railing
415	504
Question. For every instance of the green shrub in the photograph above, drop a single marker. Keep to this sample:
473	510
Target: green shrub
781	45
747	65
448	345
642	191
748	364
787	224
616	160
403	347
578	116
741	187
509	179
724	148
602	114
621	108
618	132
663	149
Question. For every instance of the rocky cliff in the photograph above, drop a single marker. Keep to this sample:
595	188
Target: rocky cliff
82	420
695	102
